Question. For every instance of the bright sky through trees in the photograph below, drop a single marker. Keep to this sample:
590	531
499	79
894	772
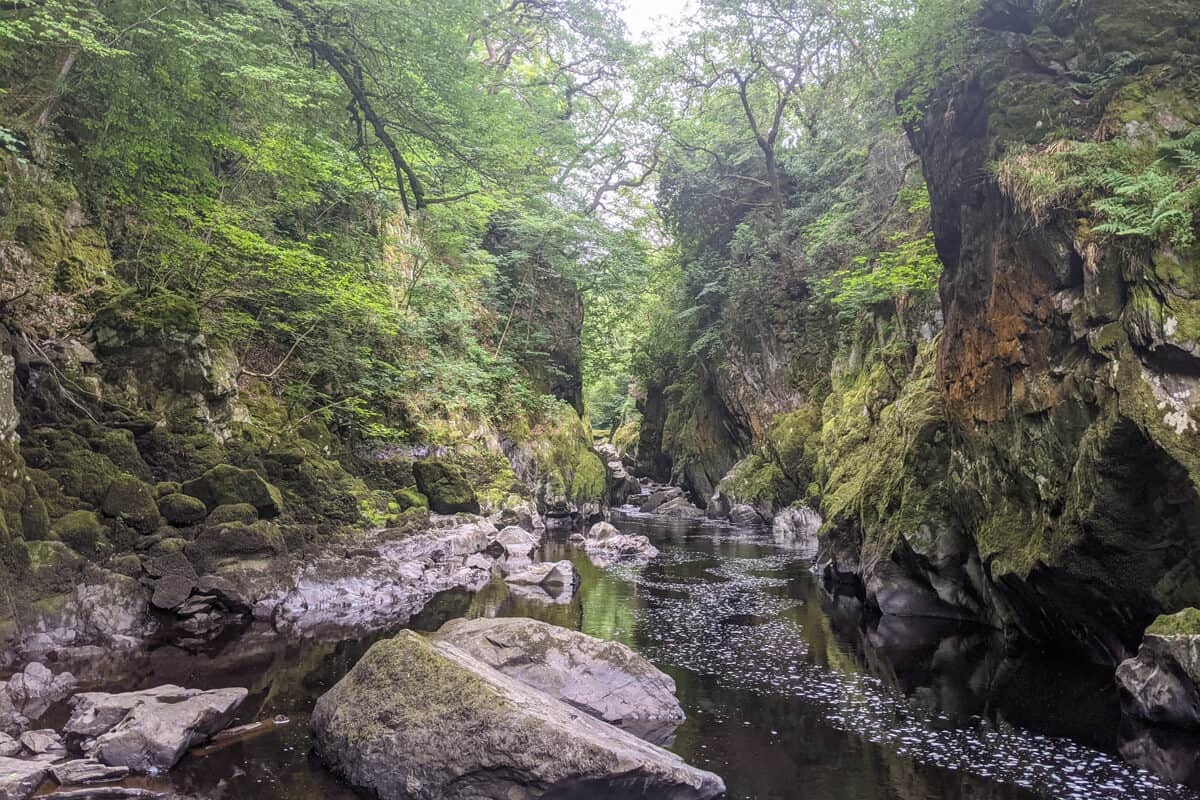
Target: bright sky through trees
653	18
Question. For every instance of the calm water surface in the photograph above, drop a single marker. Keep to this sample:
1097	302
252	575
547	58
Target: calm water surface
789	694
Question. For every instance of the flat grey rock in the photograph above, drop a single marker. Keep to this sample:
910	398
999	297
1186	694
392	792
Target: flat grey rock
18	778
605	679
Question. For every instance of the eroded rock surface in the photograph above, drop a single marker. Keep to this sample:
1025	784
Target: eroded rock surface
605	679
422	720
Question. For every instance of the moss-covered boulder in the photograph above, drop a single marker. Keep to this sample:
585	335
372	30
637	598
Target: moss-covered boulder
182	509
225	485
82	531
84	474
235	539
416	713
243	513
409	497
446	486
131	501
53	565
164	488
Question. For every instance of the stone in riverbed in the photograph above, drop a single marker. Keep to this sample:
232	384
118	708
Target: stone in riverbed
9	746
18	779
149	731
517	542
43	741
33	690
422	720
559	573
86	770
605	679
604	543
228	485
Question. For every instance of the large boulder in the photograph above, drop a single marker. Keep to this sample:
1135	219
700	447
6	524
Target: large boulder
517	542
605	679
1162	683
423	720
182	509
227	485
446	486
149	731
132	501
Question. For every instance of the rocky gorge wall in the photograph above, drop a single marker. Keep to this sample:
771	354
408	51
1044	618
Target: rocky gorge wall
1022	451
153	488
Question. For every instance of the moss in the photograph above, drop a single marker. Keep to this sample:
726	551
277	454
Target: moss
1181	623
238	540
758	481
233	512
565	461
164	488
626	436
225	484
84	474
82	531
182	509
54	566
131	501
118	445
131	319
35	519
410	497
446	486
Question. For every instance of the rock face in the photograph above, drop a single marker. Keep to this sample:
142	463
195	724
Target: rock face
29	694
604	679
446	487
421	720
149	731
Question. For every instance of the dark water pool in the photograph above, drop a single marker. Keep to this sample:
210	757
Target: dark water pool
789	694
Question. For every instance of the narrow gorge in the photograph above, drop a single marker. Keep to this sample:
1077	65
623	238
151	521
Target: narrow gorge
572	399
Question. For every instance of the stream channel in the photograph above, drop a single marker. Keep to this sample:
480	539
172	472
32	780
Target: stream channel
789	693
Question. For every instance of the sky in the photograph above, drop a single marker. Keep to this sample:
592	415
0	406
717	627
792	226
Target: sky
644	17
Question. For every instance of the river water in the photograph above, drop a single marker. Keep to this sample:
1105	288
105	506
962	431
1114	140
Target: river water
789	694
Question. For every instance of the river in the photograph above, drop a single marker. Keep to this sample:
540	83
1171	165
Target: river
789	694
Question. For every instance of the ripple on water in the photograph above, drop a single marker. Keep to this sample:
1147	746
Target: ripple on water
706	628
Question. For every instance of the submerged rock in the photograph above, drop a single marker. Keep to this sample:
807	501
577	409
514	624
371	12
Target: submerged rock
422	720
605	679
149	731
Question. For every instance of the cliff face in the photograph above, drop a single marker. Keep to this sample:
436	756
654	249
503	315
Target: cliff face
1067	369
1034	464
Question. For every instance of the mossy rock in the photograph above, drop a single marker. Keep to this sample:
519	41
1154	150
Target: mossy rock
182	509
84	474
164	488
131	501
53	565
128	565
409	497
1182	623
129	319
118	445
225	485
51	493
236	539
446	486
244	513
35	519
82	531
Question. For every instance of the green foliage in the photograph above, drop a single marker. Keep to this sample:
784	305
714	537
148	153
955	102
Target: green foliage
1136	191
900	276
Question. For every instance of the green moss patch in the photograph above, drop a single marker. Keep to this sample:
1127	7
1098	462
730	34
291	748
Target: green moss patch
1181	623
